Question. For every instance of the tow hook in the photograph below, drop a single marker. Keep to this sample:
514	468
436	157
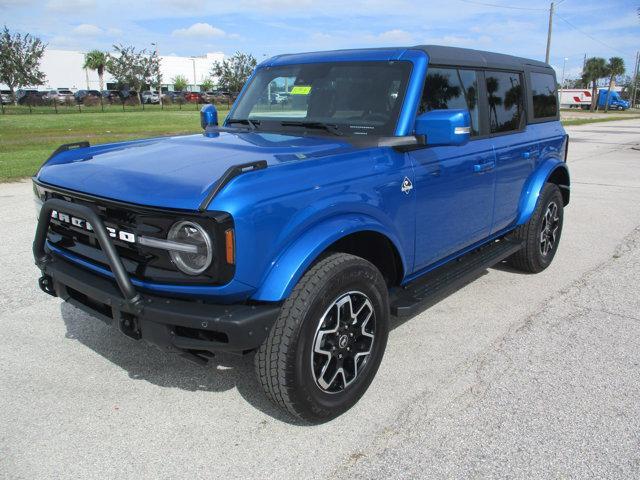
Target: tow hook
130	325
46	285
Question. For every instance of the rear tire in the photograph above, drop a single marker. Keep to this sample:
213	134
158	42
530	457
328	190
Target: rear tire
328	341
541	234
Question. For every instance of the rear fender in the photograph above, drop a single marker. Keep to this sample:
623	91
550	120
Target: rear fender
298	257
534	187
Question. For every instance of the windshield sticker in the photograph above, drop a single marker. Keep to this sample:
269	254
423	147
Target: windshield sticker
300	90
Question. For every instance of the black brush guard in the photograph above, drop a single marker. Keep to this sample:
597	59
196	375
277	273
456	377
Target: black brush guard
192	328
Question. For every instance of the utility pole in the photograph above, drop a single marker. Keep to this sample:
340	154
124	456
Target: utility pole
546	58
635	80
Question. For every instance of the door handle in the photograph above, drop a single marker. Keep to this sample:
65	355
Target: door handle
530	154
483	167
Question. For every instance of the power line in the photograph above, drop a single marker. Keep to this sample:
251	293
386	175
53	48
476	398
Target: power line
502	6
590	36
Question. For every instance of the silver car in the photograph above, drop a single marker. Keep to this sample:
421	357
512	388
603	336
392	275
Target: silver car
60	95
64	96
150	97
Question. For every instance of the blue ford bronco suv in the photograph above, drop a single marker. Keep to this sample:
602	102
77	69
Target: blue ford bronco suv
343	188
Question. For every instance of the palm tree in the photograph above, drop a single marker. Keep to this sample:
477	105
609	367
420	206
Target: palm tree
615	68
493	84
96	60
594	69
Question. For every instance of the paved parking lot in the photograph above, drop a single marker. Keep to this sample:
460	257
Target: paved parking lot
512	376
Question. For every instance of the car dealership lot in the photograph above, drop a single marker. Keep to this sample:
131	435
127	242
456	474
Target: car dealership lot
513	375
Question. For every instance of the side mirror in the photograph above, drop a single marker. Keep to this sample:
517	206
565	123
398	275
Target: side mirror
208	116
444	127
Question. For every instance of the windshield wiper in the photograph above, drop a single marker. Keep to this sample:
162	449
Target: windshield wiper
329	127
253	124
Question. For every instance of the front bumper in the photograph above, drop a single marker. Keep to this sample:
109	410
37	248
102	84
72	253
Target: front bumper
192	328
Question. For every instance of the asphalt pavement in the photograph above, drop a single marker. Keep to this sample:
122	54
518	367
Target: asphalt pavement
514	375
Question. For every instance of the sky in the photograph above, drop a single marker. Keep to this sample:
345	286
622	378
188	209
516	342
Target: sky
265	28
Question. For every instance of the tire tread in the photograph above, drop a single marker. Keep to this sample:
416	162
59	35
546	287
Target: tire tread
271	358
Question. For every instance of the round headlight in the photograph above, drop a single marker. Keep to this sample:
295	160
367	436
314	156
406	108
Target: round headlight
189	233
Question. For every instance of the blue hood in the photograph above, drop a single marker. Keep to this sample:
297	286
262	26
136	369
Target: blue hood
175	172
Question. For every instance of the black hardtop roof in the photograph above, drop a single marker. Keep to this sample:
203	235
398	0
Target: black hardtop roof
467	57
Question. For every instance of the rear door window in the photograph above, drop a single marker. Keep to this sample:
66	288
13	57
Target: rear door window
505	102
545	98
451	89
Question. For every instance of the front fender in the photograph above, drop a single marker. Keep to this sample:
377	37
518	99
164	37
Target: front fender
291	265
534	187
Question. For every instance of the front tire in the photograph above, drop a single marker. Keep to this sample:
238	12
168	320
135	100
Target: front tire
328	341
541	234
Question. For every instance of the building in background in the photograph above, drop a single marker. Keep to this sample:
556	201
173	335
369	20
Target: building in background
63	69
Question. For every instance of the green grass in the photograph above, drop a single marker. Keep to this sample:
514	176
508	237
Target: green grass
27	140
584	121
106	108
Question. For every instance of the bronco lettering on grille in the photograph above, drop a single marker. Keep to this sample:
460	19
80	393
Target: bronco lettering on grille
83	224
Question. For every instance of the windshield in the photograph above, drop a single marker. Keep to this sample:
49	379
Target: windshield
347	98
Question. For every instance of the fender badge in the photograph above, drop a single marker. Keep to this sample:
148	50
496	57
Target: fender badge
407	186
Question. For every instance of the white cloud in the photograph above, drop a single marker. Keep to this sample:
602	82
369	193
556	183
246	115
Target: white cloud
88	30
395	36
199	30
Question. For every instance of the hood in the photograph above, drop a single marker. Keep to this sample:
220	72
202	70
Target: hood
175	172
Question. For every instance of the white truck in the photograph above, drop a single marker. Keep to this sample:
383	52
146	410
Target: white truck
575	98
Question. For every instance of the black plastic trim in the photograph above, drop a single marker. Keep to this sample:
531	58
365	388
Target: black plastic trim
432	287
67	146
227	176
173	325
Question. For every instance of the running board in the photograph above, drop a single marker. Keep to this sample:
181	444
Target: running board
429	289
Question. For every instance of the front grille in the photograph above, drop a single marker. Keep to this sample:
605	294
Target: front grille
141	262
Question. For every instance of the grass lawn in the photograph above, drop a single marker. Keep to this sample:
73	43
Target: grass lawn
27	140
583	121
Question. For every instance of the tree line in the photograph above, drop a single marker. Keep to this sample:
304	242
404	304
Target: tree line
20	57
596	68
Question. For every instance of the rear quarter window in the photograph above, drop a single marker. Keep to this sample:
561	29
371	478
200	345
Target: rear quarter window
544	93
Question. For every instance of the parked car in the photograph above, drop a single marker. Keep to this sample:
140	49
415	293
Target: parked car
49	95
25	96
64	96
111	95
281	97
208	96
174	96
149	96
5	97
215	96
81	95
193	97
391	178
126	94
